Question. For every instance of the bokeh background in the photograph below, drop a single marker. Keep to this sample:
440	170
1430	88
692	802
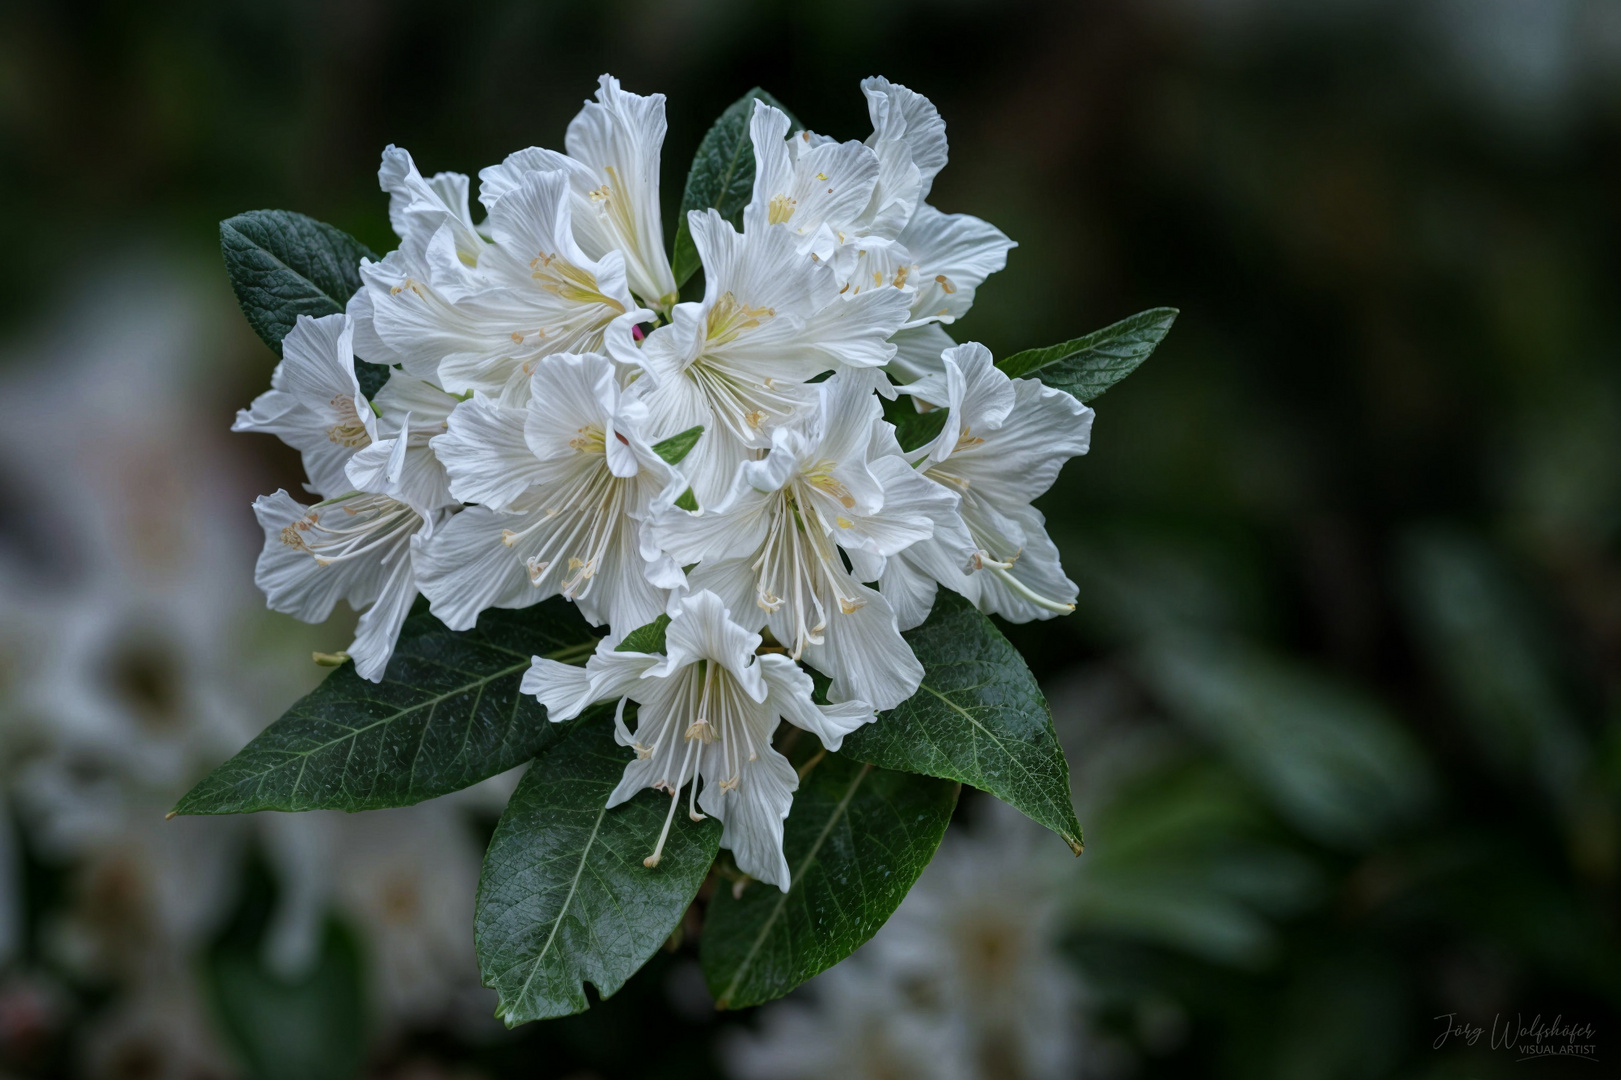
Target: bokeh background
1343	694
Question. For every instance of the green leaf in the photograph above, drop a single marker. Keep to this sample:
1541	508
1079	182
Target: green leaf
372	377
979	718
857	838
564	898
721	177
684	260
447	714
283	265
914	429
688	501
646	639
1089	365
680	444
310	1027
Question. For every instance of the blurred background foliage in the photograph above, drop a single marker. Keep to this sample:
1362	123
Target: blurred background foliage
1343	695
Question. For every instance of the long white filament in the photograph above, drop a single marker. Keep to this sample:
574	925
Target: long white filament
796	565
370	522
711	697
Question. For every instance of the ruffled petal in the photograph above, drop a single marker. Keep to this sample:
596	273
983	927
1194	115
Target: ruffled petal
753	813
863	652
485	453
790	690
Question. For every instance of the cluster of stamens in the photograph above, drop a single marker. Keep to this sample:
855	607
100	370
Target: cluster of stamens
718	705
595	499
798	561
561	277
365	524
349	430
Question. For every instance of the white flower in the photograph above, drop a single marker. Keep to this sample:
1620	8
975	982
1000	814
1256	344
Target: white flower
860	208
408	875
564	483
357	543
847	1025
416	410
418	207
356	548
771	548
612	168
981	933
739	363
1002	446
532	293
314	404
414	285
909	138
816	187
708	708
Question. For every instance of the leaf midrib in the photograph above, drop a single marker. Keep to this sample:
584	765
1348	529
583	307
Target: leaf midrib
1069	839
336	306
429	703
353	734
557	923
725	999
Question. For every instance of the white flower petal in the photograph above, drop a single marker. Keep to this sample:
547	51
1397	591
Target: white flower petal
418	207
566	690
703	628
790	690
379	627
1019	460
294	583
863	652
619	137
806	186
904	117
753	813
467	566
910	589
978	395
917	360
378	467
315	404
954	254
485	454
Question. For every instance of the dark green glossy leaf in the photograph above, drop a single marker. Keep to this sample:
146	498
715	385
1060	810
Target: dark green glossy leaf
447	714
914	429
646	639
1089	365
978	718
372	377
679	445
684	260
283	265
857	838
307	1027
564	898
721	177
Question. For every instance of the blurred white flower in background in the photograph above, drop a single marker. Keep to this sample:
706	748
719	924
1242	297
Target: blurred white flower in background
966	980
135	654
